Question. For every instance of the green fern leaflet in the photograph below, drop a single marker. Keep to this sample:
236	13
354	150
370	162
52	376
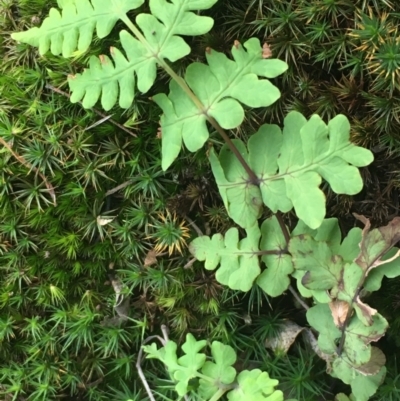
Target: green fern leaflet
72	29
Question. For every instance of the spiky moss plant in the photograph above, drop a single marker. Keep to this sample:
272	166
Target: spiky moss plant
61	228
343	57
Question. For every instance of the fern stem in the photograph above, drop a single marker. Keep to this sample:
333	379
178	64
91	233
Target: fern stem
218	394
351	309
182	83
298	298
269	252
253	178
162	63
283	227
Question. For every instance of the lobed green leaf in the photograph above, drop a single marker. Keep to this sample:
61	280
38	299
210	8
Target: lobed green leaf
166	354
315	257
327	277
329	232
320	318
189	363
362	386
220	370
376	243
359	336
220	86
389	269
238	259
274	280
255	385
290	166
184	368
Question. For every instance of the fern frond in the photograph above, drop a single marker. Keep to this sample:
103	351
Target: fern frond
72	29
219	86
156	41
289	167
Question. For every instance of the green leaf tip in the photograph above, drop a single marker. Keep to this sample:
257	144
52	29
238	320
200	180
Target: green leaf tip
238	259
221	87
220	370
290	165
255	385
184	368
72	29
274	280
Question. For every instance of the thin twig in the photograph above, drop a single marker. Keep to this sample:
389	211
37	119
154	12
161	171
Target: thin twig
163	340
99	113
98	122
190	263
298	299
28	165
195	226
139	365
165	332
119	187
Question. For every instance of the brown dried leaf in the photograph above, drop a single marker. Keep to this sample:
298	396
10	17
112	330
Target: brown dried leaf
266	51
285	337
376	243
365	312
151	258
339	310
374	365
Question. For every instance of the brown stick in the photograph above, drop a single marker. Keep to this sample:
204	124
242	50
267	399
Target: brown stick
121	186
139	365
298	299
